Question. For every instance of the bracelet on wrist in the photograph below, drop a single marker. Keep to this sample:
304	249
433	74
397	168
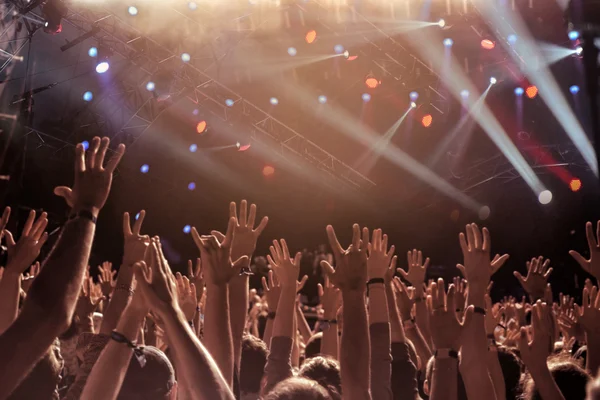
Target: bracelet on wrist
126	288
374	281
83	214
479	310
137	350
446	353
271	315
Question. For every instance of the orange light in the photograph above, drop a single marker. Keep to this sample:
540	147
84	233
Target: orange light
201	127
531	91
488	44
268	170
311	36
352	58
575	184
372	83
427	120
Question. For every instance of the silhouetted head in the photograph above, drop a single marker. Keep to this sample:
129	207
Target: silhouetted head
254	359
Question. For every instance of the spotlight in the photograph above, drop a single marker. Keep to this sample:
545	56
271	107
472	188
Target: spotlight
366	97
493	80
372	83
93	52
574	89
102	67
268	170
85	144
238	145
192	5
102	64
519	91
484	213
150	86
193	148
338	49
322	99
201	127
310	36
578	50
53	11
488	44
187	229
185	57
144	169
573	35
346	54
88	96
448	42
191	186
243	147
441	23
413	104
229	103
512	38
427	120
274	101
132	10
545	197
531	91
575	184
464	94
292	51
413	96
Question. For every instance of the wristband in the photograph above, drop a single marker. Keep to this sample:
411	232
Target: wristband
85	214
479	310
409	323
125	288
137	350
375	280
446	353
419	299
271	315
246	271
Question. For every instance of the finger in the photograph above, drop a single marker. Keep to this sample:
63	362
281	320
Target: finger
192	289
126	224
302	282
39	227
286	251
499	262
589	234
10	241
385	243
229	234
450	300
402	273
5	218
263	224
297	258
190	270
243	213
409	258
519	277
28	224
470	237
137	225
240	262
198	271
547	274
333	241
114	161
463	243
487	241
278	250
328	269
462	270
580	260
426	265
356	236
270	259
79	159
263	280
478	238
220	237
99	162
419	258
92	152
319	290
390	253
196	238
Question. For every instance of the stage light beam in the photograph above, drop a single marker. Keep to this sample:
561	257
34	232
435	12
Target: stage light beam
545	197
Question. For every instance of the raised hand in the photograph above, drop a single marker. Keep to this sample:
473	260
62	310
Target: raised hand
245	235
24	252
135	243
286	269
589	312
4	221
591	266
28	277
272	291
537	277
416	269
89	300
535	353
186	295
445	327
460	295
196	277
404	301
106	278
218	268
92	179
331	299
350	273
493	315
379	258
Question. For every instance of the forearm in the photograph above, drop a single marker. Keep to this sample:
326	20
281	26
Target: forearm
329	342
268	334
202	375
119	300
217	332
238	303
445	380
422	317
593	353
413	333
396	327
473	367
354	353
378	309
381	360
496	373
283	325
10	286
545	383
303	326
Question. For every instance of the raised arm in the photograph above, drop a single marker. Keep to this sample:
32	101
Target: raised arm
49	307
272	291
331	299
591	266
535	282
589	318
350	275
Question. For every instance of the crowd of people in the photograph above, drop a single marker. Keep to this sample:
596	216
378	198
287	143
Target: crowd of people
381	331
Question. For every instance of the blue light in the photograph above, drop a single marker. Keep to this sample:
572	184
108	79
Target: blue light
102	67
150	86
574	89
366	97
191	186
93	52
573	35
519	91
137	216
292	51
338	48
132	10
185	57
187	229
85	144
195	112
229	103
448	42
512	38
88	96
192	5
322	99
413	96
464	94
193	148
274	101
144	168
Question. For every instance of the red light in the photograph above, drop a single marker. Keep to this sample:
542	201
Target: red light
372	83
352	58
488	44
244	147
311	36
427	120
268	170
531	91
575	184
201	127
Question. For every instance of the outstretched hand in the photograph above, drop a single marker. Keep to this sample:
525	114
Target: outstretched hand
416	269
379	258
286	269
272	290
589	312
535	353
186	296
196	277
135	243
245	235
24	252
537	277
92	179
106	278
591	266
330	298
350	273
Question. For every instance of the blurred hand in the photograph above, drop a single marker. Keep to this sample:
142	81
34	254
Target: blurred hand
416	270
350	273
89	300
28	277
537	277
135	243
196	277
331	299
106	278
493	315
460	295
24	252
589	312
404	301
272	291
535	353
186	295
286	269
245	235
591	266
379	258
92	179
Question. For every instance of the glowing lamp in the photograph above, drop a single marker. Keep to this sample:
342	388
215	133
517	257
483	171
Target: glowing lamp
488	44
201	127
268	170
531	91
372	83
311	36
427	120
575	184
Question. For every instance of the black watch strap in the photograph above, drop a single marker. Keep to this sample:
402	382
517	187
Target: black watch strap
86	214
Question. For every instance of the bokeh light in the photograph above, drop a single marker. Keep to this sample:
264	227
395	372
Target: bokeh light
187	229
88	96
573	35
484	213
574	89
292	51
464	94
441	23
545	197
144	168
185	57
531	91
102	67
132	10
512	38
274	101
372	83
311	36
85	144
322	99
201	126
268	170
427	120
150	86
413	96
193	148
488	44
93	52
575	184
192	5
229	103
338	49
493	80
448	42
366	97
191	186
519	91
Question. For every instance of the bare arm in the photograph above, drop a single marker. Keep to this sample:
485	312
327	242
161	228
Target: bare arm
330	300
10	287
445	379
238	303
217	331
303	326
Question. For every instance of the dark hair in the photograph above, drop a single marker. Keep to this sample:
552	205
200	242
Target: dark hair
152	382
42	381
512	368
570	378
254	359
324	370
581	355
299	389
313	346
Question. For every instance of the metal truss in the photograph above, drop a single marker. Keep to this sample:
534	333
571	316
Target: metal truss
191	80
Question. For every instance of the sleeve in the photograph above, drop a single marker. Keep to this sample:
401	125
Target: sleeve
93	347
404	374
381	360
279	362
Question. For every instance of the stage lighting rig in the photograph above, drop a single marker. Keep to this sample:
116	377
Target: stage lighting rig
53	12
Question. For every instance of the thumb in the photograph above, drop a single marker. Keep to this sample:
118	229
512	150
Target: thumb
327	268
468	316
519	277
462	270
9	238
65	192
580	259
218	235
240	262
